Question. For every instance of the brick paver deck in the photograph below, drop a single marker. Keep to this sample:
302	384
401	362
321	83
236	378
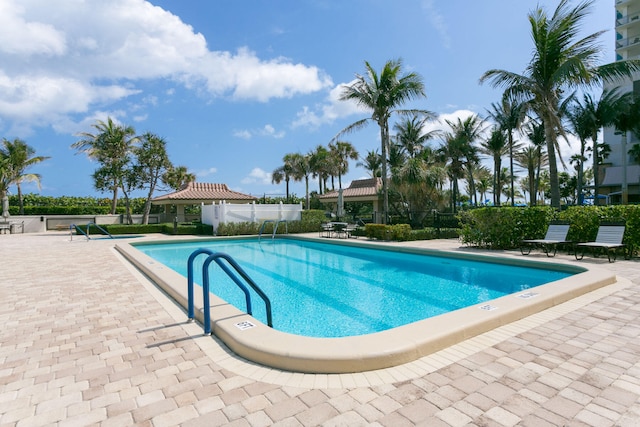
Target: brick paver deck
86	340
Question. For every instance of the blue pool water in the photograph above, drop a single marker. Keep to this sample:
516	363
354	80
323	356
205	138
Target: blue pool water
327	290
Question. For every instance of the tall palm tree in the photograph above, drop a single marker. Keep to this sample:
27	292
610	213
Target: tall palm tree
528	158
383	94
496	146
111	146
627	119
456	152
342	152
560	61
319	163
301	170
460	152
284	172
509	115
580	120
536	136
598	113
371	163
20	157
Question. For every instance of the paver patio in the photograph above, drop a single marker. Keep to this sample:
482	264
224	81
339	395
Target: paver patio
87	340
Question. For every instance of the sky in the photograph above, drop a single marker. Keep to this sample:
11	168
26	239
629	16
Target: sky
234	85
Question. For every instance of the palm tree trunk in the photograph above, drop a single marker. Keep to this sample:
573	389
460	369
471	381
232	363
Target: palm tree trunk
384	137
511	168
20	201
596	161
306	183
550	134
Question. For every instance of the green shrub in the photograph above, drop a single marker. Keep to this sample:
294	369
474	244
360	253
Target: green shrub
505	227
376	231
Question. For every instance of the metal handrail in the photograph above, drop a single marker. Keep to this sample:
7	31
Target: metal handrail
217	257
275	228
72	226
89	224
264	223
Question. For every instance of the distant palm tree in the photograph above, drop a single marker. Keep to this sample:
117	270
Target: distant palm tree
319	163
580	120
20	157
535	134
598	113
560	61
302	171
383	94
509	115
111	146
177	177
371	163
284	172
495	147
342	152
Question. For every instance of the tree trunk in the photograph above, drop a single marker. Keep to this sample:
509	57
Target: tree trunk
550	134
384	137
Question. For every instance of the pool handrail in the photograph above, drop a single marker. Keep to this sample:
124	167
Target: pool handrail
89	224
264	223
275	227
72	226
216	257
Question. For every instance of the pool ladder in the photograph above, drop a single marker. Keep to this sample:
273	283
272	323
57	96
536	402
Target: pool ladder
275	227
218	258
86	234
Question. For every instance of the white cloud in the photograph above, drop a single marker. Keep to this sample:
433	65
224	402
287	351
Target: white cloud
257	176
438	22
268	131
326	113
206	172
57	57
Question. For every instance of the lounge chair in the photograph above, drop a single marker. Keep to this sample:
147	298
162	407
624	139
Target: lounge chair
556	235
608	240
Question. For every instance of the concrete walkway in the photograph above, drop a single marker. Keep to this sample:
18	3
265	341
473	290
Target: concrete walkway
87	340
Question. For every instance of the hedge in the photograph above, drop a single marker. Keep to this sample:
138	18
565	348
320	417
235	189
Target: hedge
506	227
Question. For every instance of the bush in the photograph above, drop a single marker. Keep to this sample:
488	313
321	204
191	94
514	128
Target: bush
506	227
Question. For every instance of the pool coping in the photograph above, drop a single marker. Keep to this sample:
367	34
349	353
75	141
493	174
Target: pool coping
276	349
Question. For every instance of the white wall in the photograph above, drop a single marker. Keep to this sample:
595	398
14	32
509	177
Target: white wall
228	212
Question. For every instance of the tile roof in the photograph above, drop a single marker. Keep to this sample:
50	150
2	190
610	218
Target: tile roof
358	188
204	191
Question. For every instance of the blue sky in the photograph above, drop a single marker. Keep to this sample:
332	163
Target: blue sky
233	85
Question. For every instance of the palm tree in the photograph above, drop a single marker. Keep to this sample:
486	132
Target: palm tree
383	94
495	146
560	61
371	163
20	157
177	177
111	146
320	166
509	116
596	115
284	172
627	119
342	152
580	120
528	158
302	170
459	151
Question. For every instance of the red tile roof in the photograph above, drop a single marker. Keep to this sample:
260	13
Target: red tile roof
358	188
204	191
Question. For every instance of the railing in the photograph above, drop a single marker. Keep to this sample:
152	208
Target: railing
217	257
86	234
275	227
99	228
72	226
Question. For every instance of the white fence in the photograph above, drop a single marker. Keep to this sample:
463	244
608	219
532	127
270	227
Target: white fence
249	212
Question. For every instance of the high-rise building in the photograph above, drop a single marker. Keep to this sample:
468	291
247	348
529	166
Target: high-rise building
620	176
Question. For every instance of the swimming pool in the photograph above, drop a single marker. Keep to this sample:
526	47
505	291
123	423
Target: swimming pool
324	290
253	340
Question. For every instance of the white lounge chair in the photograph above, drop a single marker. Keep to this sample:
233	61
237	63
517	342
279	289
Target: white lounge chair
608	240
556	235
